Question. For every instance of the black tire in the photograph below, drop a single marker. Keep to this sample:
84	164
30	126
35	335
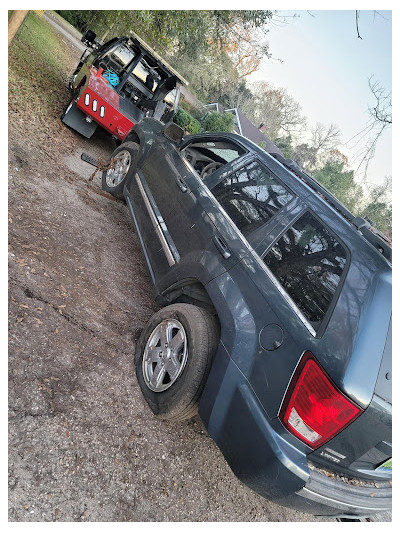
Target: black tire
117	190
179	401
68	106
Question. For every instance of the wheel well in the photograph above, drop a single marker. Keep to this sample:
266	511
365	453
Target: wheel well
132	136
191	292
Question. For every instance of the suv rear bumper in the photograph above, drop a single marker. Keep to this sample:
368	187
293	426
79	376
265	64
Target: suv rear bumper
349	499
259	455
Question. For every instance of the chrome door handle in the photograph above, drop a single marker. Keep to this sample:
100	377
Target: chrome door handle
181	184
222	247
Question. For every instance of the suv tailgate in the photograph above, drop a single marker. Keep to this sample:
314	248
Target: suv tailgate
361	448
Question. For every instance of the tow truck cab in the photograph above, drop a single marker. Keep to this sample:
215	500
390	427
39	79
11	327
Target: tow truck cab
118	83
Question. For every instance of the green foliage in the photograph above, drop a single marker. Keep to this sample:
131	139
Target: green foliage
380	214
340	182
378	208
196	112
76	18
219	122
187	122
211	122
285	144
170	31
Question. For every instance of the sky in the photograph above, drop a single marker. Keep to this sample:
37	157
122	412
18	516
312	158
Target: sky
325	68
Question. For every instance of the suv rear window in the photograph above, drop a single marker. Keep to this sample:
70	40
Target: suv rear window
308	262
251	196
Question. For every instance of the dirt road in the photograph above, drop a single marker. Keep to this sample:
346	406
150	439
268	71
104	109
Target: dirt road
83	445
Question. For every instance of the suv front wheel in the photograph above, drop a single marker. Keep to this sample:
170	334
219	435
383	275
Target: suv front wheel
173	358
122	166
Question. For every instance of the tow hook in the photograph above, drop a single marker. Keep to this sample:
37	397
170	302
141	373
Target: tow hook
89	159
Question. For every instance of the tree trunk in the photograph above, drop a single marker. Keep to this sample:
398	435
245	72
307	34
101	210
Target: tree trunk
15	22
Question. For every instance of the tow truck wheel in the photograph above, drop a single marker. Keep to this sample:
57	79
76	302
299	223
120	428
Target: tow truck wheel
68	106
121	166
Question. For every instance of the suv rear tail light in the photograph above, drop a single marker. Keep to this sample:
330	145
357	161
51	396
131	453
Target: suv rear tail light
314	409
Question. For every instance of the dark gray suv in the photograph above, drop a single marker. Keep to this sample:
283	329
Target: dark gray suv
275	320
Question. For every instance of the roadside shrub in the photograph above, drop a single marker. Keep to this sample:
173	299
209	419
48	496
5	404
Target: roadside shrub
77	19
219	122
196	112
187	122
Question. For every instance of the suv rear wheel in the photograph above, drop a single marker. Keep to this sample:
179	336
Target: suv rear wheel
173	358
123	165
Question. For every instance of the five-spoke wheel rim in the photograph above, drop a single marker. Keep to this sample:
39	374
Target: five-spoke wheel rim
165	355
121	164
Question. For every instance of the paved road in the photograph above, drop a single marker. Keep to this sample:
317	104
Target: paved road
63	29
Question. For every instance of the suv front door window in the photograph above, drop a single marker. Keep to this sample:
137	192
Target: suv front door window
251	196
206	155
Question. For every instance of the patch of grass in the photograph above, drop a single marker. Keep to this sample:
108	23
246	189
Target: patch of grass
39	63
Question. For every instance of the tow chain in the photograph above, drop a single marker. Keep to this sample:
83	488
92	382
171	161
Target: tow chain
101	166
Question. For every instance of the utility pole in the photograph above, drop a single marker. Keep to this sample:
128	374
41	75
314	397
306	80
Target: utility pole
15	22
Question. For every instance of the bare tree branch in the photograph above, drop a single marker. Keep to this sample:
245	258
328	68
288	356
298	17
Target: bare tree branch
358	32
380	119
324	137
382	110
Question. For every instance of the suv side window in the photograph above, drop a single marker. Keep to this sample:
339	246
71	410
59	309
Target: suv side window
251	196
309	263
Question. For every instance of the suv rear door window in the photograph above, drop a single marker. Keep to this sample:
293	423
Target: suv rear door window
251	196
308	262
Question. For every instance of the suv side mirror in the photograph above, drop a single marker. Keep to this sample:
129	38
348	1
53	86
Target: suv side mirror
173	132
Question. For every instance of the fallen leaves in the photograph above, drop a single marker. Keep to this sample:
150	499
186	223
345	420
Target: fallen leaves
21	262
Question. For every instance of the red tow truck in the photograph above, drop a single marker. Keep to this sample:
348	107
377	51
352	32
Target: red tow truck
118	83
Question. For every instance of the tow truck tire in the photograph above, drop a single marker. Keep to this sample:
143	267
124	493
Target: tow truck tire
68	106
122	167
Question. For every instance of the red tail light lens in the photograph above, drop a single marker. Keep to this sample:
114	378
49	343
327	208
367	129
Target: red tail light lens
314	409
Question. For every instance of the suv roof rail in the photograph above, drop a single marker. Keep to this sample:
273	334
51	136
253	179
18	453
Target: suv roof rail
363	226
